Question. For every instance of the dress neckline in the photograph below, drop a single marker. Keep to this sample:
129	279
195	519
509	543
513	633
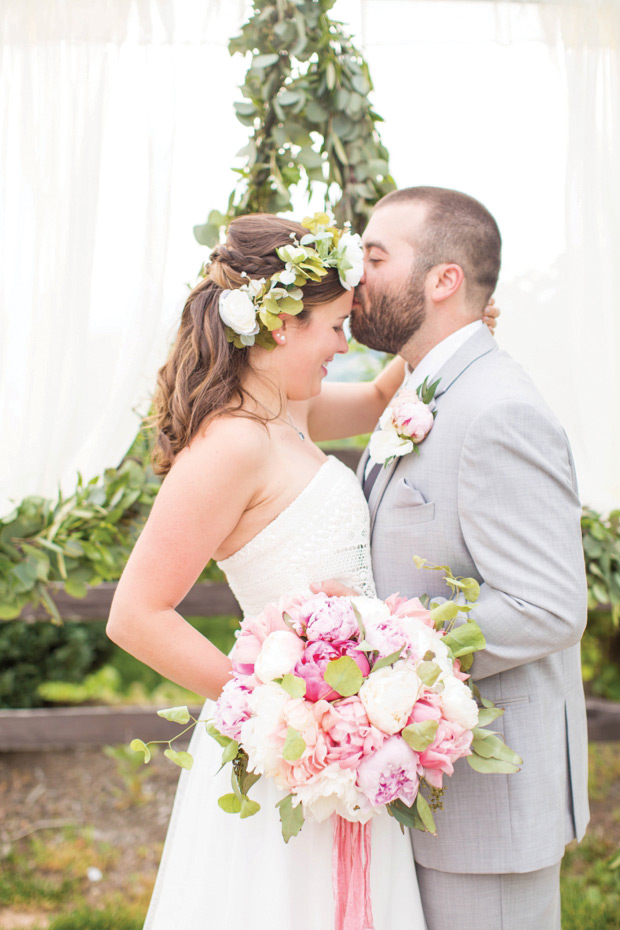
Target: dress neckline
296	500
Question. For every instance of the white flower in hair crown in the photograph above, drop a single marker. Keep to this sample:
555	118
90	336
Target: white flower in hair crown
404	424
251	312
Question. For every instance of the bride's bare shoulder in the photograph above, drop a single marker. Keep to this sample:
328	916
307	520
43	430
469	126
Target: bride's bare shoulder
235	441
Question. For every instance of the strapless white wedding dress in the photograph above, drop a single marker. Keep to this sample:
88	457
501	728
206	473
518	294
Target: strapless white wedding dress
219	872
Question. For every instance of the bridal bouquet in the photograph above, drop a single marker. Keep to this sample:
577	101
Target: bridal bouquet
352	705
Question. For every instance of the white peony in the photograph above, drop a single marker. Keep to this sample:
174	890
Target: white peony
458	703
333	790
385	443
260	735
350	253
389	694
423	639
278	656
238	312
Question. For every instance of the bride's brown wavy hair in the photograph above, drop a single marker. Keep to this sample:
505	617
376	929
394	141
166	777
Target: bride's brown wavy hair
204	373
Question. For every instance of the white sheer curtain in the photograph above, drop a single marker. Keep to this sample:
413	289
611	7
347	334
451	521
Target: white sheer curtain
518	104
116	133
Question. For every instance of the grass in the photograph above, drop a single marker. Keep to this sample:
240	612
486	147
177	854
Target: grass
50	870
590	887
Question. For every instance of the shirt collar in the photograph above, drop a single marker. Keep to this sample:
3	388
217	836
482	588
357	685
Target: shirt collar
439	354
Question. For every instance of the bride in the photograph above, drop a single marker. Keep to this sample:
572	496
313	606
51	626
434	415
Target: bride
240	403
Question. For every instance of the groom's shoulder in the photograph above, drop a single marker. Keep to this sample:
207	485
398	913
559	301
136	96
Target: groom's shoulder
497	377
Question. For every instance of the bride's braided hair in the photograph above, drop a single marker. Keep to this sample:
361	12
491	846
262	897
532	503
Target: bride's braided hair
204	373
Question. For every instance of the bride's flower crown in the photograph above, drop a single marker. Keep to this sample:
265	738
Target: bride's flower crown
251	312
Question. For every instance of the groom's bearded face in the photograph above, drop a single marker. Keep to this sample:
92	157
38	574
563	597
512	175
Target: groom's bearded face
386	319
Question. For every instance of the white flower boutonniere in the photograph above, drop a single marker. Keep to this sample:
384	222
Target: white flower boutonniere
404	424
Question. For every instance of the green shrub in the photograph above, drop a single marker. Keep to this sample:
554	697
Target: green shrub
31	653
85	919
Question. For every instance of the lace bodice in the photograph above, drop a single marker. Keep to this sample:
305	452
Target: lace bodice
323	533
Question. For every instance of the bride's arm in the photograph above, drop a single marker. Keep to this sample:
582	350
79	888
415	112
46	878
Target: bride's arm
350	408
200	502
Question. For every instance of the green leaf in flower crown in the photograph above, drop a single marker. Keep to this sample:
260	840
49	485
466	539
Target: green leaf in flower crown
465	639
344	676
248	808
426	816
230	803
175	714
420	735
230	752
444	614
291	818
487	715
294	745
428	672
293	685
183	759
491	766
139	746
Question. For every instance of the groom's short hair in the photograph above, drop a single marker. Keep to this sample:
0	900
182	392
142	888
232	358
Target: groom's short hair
457	229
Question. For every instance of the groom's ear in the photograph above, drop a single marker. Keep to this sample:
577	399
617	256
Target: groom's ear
444	281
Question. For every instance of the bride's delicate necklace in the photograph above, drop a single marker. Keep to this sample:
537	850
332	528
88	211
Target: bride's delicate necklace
288	422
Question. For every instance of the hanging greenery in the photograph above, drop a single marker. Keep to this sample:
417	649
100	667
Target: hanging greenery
306	103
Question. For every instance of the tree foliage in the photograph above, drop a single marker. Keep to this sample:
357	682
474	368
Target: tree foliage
306	104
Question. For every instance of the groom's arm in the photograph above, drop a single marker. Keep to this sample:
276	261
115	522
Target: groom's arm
520	518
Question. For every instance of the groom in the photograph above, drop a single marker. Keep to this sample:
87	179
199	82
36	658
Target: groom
493	495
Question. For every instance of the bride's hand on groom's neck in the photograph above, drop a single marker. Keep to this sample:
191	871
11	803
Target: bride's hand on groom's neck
490	315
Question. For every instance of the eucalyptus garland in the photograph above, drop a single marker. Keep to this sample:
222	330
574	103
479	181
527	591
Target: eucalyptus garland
306	103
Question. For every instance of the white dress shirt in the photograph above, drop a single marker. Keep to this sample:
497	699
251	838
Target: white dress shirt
439	355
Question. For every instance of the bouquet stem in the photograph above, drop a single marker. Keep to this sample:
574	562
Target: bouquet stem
351	875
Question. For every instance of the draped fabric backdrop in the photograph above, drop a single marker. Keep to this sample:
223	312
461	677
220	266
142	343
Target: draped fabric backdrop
117	135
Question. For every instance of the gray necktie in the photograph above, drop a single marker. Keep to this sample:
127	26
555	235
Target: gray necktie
369	480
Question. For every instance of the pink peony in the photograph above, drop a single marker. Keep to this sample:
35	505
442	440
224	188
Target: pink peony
350	735
250	638
411	417
412	607
232	708
306	718
312	664
451	743
330	619
390	773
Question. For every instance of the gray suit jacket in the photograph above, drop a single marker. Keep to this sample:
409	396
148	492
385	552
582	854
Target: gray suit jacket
493	495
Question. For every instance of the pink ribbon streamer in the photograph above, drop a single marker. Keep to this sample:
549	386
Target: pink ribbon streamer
351	875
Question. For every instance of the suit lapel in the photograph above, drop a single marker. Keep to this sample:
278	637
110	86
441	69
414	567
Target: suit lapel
478	345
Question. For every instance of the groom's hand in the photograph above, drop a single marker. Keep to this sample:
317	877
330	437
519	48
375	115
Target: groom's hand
332	588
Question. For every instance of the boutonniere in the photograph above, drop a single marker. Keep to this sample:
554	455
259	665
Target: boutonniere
404	424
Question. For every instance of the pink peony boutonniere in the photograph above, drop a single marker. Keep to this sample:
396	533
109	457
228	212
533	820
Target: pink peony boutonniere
404	424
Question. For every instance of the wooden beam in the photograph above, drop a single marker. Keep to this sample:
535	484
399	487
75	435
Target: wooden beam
40	728
206	599
43	728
